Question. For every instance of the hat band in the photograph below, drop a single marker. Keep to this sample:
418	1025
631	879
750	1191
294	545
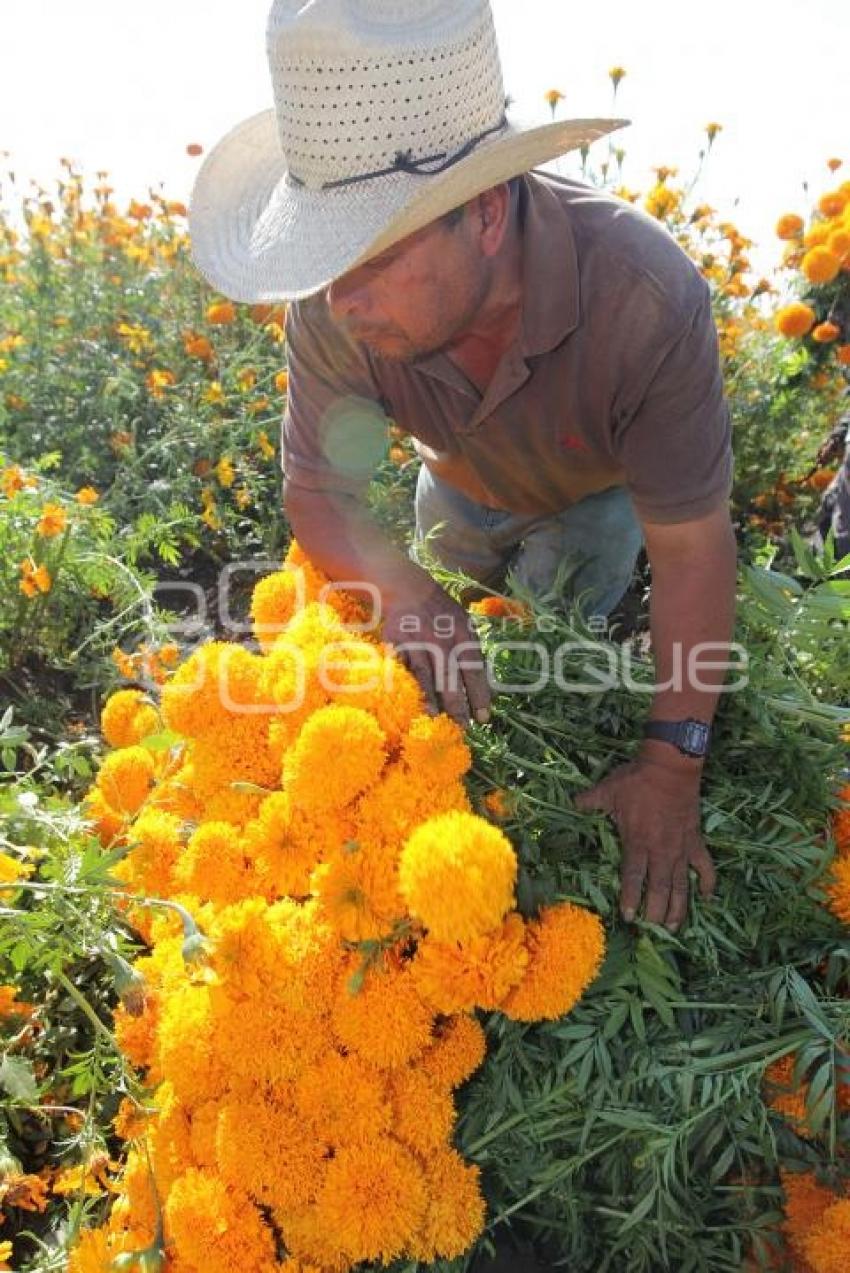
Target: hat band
404	162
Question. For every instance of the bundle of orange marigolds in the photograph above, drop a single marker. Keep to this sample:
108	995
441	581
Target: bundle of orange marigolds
344	912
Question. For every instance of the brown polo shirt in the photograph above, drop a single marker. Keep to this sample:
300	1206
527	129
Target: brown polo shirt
614	379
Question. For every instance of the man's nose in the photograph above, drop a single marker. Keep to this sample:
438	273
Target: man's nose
348	297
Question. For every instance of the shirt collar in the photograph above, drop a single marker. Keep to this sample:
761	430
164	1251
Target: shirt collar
551	301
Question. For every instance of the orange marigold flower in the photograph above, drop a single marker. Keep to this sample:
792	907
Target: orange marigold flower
805	1203
220	313
127	718
459	1048
565	945
384	1021
215	1227
435	745
827	1245
841	819
423	1111
783	1094
194	148
34	579
198	346
358	892
342	1100
23	1191
125	778
12	480
374	1200
795	319
288	1179
712	130
281	381
456	1211
838	242
10	1006
457	874
820	265
838	888
159	380
553	96
87	495
825	333
53	520
132	1120
833	203
833	164
479	973
498	803
789	226
225	472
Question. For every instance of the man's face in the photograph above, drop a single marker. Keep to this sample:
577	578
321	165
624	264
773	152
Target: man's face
418	296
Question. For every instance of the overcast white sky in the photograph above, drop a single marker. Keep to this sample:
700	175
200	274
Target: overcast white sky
126	86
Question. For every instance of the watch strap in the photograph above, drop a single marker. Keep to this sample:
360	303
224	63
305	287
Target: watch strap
691	737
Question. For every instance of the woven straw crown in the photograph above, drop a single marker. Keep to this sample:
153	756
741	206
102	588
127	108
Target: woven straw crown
357	81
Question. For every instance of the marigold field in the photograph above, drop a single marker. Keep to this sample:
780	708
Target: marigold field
297	978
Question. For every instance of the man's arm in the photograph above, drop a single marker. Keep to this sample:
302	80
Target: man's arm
655	799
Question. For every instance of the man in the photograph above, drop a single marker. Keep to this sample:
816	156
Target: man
550	349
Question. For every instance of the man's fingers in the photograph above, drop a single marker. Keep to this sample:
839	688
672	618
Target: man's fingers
632	876
701	861
677	909
598	798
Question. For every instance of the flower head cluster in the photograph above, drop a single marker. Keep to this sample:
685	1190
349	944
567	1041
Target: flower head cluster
312	822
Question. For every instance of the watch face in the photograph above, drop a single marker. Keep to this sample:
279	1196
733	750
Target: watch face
694	737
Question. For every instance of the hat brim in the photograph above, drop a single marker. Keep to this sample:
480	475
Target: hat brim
256	236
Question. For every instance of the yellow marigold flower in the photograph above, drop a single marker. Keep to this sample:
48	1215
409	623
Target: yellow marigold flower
565	945
552	97
125	778
459	1048
34	579
87	495
820	265
789	226
156	840
92	1252
225	471
53	520
212	687
281	381
342	1100
5	1256
479	973
455	1213
393	809
220	313
795	319
374	1200
385	1021
825	333
287	1179
216	1228
662	200
827	1244
435	745
12	869
127	718
616	74
369	677
357	743
266	447
273	603
358	892
712	130
423	1112
137	339
213	395
838	242
246	378
457	874
9	1004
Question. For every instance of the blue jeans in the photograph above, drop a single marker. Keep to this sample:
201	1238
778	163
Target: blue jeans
595	542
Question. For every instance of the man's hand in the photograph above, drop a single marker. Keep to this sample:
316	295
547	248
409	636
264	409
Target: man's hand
433	635
655	806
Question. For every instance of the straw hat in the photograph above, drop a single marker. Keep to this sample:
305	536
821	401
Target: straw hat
388	113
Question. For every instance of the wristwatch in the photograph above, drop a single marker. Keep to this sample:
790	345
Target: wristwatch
692	737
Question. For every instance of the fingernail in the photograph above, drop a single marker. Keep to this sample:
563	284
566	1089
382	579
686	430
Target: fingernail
628	915
482	715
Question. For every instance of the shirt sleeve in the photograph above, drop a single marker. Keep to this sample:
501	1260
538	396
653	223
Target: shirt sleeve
675	443
334	429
